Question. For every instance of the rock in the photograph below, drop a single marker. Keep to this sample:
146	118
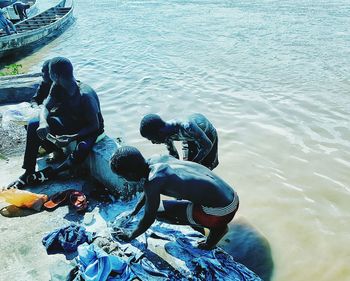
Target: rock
249	247
18	88
98	166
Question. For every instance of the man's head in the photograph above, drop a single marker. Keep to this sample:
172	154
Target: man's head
45	71
129	163
61	70
152	128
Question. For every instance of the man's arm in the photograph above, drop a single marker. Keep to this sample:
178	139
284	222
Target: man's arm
152	199
43	129
172	149
202	141
139	205
41	94
91	112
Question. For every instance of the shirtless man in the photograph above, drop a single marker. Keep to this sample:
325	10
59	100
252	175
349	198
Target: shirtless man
199	137
206	200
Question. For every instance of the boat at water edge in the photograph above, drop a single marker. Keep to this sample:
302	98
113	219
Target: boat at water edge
7	7
36	30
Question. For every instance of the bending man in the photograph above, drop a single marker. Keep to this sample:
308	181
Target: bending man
206	200
21	10
199	137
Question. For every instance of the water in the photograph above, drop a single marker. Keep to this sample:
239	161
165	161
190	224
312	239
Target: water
273	77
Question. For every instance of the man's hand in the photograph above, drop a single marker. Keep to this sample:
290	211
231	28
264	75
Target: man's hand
122	234
64	140
43	131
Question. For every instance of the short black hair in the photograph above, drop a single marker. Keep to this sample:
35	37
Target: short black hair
128	159
62	67
150	125
45	66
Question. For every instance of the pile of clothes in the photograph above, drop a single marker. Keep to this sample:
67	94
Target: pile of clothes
101	258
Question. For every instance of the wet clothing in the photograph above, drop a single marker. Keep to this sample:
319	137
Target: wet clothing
42	92
198	136
21	10
66	239
6	24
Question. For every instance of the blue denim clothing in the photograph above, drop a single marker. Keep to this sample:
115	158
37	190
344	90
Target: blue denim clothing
66	240
97	265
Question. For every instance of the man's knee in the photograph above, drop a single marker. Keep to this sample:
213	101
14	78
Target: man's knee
33	125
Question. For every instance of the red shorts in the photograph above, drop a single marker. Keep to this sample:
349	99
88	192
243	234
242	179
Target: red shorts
212	217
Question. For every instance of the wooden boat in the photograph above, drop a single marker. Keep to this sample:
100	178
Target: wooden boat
7	6
36	30
18	88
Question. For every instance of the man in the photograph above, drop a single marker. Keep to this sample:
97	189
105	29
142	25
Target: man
206	200
44	87
199	137
71	112
21	9
41	94
6	24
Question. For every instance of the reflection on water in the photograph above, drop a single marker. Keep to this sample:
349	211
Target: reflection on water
273	76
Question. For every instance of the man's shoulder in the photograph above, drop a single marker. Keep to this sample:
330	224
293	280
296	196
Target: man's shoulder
86	89
160	169
87	93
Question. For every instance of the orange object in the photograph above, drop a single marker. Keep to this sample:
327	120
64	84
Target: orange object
24	199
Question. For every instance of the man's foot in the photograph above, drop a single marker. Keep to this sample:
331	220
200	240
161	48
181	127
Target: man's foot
21	182
41	176
214	237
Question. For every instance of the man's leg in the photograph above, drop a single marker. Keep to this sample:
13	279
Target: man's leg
7	29
176	212
31	151
78	156
80	153
12	26
215	235
32	146
173	212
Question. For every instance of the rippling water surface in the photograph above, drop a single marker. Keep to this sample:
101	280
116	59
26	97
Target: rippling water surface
274	78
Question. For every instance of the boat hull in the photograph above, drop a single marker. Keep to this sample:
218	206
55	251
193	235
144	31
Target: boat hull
24	42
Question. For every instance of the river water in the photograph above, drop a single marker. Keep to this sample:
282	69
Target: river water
272	76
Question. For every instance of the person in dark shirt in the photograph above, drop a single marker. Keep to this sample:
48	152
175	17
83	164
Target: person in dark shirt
70	113
203	198
21	9
199	137
44	87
